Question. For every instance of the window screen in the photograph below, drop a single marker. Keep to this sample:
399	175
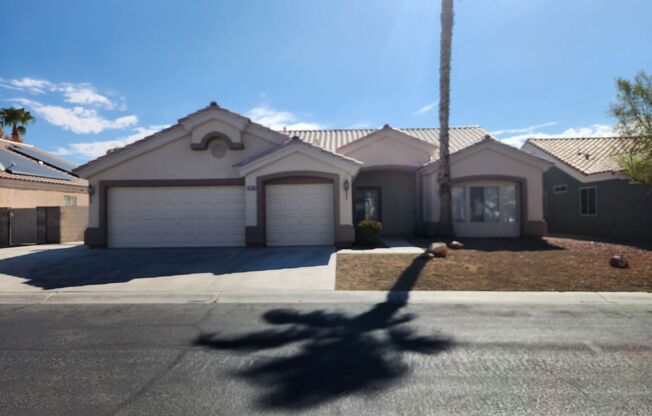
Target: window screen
70	201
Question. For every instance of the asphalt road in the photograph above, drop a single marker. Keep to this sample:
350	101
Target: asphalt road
325	359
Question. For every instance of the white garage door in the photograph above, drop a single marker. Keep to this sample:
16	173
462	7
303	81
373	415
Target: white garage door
176	216
299	215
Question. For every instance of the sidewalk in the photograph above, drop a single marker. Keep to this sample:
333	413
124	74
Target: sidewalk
438	297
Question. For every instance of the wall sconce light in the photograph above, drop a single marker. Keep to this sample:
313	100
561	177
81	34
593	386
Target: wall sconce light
346	185
91	190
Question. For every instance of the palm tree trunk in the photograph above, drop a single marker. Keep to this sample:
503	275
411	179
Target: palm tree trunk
444	176
15	135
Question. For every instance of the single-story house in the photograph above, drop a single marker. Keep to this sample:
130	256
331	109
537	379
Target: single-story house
31	177
588	193
41	200
215	178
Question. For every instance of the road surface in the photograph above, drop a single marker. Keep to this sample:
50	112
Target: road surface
325	359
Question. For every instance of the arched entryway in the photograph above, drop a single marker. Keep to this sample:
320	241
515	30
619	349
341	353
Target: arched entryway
388	195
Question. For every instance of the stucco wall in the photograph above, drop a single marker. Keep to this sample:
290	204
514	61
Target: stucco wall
297	162
30	198
487	162
389	151
176	160
624	210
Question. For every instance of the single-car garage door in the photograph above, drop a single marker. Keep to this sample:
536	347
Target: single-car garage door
299	214
176	216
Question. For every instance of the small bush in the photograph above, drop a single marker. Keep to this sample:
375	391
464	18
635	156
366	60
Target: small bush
366	232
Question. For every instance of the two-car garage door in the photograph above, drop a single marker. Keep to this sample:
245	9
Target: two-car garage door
176	216
214	216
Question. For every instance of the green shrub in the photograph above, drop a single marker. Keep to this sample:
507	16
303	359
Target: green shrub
366	232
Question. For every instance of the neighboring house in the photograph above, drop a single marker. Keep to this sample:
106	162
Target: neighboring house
41	200
216	178
587	192
31	177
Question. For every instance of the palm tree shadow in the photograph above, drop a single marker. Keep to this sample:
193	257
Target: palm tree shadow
335	355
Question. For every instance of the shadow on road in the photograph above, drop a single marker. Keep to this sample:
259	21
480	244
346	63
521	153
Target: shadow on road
338	354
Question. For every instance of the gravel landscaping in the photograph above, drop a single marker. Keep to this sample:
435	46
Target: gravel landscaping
550	264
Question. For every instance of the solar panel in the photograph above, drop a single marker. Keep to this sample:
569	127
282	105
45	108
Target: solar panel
46	157
20	165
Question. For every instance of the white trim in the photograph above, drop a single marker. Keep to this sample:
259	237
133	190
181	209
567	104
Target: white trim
595	213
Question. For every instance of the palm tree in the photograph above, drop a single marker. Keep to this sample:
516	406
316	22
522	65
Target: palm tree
444	176
18	119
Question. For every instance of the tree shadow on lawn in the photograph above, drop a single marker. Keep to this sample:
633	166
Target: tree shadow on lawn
338	355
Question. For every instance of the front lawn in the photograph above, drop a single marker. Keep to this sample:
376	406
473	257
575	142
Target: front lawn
551	264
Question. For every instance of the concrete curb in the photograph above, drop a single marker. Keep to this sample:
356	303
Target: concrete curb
435	297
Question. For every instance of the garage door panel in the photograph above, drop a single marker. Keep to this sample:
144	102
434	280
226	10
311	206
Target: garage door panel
176	216
299	214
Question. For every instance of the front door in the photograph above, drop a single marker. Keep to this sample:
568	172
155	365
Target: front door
366	204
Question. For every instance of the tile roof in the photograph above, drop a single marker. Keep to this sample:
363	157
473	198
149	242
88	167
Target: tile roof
211	107
588	155
330	140
460	137
290	142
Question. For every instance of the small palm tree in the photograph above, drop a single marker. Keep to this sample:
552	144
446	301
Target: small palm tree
18	119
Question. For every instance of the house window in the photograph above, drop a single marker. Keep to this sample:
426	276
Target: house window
484	203
588	201
69	201
559	189
459	205
367	204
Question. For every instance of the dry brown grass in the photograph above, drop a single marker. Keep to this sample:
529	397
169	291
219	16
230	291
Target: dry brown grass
553	264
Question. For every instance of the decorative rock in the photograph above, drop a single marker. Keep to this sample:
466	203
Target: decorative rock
426	255
456	245
438	249
618	262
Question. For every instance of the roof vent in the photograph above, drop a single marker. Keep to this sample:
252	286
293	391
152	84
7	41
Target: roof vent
296	139
213	104
387	126
586	155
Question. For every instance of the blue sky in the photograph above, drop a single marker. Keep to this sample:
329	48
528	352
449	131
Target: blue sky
101	74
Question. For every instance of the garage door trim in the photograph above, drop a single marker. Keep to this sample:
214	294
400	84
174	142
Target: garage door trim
258	234
101	236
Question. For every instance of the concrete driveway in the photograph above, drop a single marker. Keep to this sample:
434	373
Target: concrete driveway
78	268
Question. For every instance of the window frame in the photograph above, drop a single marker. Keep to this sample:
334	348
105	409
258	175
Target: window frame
498	204
70	200
465	214
555	191
595	202
378	189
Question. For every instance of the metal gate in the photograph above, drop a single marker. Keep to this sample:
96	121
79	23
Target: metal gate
22	226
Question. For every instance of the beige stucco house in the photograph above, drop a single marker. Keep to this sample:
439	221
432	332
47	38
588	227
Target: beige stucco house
216	178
